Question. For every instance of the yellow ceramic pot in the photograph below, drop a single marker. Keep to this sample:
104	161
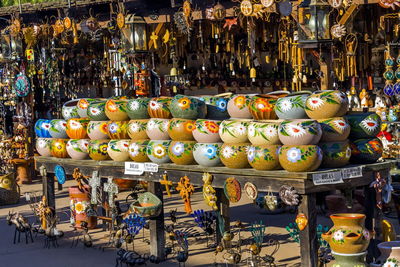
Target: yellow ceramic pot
181	152
304	158
58	148
117	130
264	157
137	150
235	155
137	129
98	149
181	129
116	109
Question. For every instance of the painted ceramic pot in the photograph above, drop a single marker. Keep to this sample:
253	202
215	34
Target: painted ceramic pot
327	104
334	129
78	148
393	115
207	131
117	130
82	106
292	107
137	108
181	129
137	129
69	109
207	154
264	157
350	260
264	133
58	129
77	128
97	111
299	132
234	131
58	148
186	107
262	107
238	107
159	107
348	234
335	154
390	254
98	149
43	146
42	128
97	130
217	107
181	152
364	125
157	151
304	158
366	150
137	150
235	155
157	129
118	150
116	109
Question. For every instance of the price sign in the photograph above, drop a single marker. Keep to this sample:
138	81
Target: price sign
150	167
352	172
327	178
134	168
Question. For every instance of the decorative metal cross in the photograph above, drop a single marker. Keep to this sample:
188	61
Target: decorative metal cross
186	190
112	190
167	184
94	183
154	38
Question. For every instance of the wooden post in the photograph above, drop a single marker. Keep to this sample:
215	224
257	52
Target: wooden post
326	67
48	188
157	236
223	205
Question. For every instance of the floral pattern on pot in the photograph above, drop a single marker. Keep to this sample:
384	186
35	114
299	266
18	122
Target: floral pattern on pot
186	107
264	157
157	151
391	262
238	107
69	109
58	129
366	150
263	133
181	129
97	130
217	107
207	131
207	154
78	148
292	106
137	150
98	149
97	111
327	104
137	129
117	130
365	125
389	252
303	158
335	154
58	148
299	132
43	146
42	128
77	128
334	129
262	107
82	106
159	107
118	150
234	131
181	152
137	108
157	129
116	109
235	155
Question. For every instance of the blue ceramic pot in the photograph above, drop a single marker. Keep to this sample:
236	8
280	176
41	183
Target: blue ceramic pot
42	128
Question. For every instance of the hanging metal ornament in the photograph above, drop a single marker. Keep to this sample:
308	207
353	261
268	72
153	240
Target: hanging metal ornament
187	11
232	190
338	31
58	27
251	190
181	23
267	3
335	3
67	23
246	7
285	8
388	75
91	23
219	12
120	20
22	85
15	27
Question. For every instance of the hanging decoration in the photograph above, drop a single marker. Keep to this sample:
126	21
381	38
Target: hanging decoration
167	183
209	193
388	75
251	190
232	189
289	195
60	174
301	221
22	85
338	31
186	190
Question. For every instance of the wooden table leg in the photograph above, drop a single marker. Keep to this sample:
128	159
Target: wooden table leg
308	237
223	205
372	221
48	188
157	235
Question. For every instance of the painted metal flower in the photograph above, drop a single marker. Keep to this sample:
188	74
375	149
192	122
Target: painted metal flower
293	154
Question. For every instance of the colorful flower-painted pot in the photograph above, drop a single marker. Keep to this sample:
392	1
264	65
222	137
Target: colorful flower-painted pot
77	128
42	128
97	111
335	154
262	107
181	152
334	129
299	132
69	109
390	254
181	129
235	155
98	149
207	131
393	115
186	107
79	203
264	132
364	125
82	106
207	154
137	108
159	107
118	150
58	148
348	234
137	129
117	129
97	130
58	129
116	109
137	150
217	107
238	107
78	148
234	131
304	158
327	104
264	157
292	107
350	260
157	129
43	146
366	150
157	151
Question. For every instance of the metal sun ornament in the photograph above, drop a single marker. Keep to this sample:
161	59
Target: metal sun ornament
389	4
338	31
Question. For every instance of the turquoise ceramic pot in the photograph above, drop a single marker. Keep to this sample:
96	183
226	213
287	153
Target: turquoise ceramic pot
42	128
97	111
217	107
58	129
364	125
137	108
292	106
186	107
70	110
366	151
207	154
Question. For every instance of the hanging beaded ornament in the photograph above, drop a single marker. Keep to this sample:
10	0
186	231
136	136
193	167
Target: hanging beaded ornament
388	75
396	86
22	85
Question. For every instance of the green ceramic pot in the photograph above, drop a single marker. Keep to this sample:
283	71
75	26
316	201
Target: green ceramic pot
365	125
304	158
181	152
98	149
137	108
292	107
349	260
366	150
336	154
264	157
186	107
97	112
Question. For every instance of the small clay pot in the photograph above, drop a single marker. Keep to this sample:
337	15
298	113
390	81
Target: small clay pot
58	129
77	128
366	150
299	132
78	148
82	106
238	107
137	108
159	107
157	151
137	150
42	128
364	125
117	130
118	149
264	132
207	131
97	111
207	154
69	109
58	148
98	149
327	104
234	131
292	107
116	109
186	107
181	152
334	129
97	130
43	146
137	129
304	158
181	129
335	154
157	129
264	157
235	155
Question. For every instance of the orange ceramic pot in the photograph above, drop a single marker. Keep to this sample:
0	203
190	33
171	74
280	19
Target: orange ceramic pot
137	150
235	155
181	152
116	109
181	129
326	104
264	157
77	128
137	129
304	158
159	107
262	107
98	149
117	129
58	148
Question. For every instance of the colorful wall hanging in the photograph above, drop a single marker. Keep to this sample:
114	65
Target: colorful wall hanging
60	174
22	85
251	190
232	189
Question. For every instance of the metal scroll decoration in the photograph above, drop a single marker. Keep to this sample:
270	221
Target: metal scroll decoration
232	189
60	174
22	85
209	193
186	190
289	195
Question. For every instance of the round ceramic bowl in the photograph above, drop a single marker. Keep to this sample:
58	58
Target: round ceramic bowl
366	150
181	129
137	108
334	129
157	129
137	150
116	109
58	129
78	148
207	131
207	154
77	128
326	104
42	128
82	106
58	148
262	107
335	154
186	107
118	150
159	107
181	152
299	132
292	107
263	132
217	107
117	130
97	130
364	125
305	158
157	151
43	146
234	131
234	156
238	107
389	251
264	157
97	111
98	149
69	109
137	129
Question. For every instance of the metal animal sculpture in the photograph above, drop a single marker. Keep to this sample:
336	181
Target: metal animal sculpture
21	226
